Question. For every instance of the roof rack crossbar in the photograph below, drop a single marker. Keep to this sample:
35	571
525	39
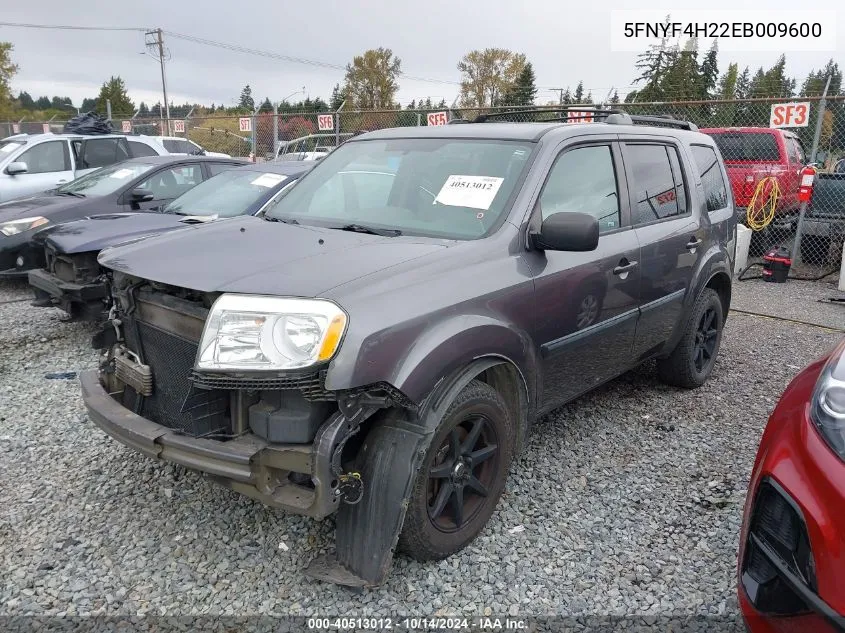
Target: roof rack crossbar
624	118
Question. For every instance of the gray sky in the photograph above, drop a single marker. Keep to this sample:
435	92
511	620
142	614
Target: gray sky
565	43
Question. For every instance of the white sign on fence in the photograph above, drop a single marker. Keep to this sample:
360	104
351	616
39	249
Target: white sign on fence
579	116
790	114
178	127
245	124
325	122
437	118
16	129
45	128
126	126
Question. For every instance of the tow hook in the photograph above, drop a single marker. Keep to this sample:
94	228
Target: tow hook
351	488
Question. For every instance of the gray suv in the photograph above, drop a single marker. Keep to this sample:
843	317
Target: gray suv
379	344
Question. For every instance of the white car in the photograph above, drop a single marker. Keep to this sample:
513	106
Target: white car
179	145
32	163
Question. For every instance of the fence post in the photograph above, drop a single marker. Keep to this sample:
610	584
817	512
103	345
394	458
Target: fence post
275	130
796	255
337	124
108	109
254	137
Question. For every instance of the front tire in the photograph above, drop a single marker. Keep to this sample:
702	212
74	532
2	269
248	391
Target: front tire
462	476
690	363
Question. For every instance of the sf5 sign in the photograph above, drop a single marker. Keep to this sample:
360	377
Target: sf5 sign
790	114
437	118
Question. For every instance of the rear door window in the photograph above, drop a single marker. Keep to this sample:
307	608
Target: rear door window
657	183
141	149
101	152
715	189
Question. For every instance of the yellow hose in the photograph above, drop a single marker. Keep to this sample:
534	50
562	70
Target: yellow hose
761	208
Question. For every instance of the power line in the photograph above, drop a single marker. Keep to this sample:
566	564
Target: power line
66	27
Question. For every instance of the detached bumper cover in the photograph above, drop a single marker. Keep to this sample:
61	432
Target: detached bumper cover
67	290
247	464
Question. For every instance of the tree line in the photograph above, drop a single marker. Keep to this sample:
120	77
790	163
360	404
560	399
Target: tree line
488	77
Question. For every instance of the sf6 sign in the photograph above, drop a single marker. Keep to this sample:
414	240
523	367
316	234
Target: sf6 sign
325	122
790	114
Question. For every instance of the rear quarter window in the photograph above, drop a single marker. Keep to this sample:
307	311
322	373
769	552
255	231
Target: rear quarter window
715	189
748	147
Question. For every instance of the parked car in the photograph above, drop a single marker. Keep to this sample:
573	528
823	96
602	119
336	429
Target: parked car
824	223
32	163
137	184
381	341
72	279
792	549
180	145
753	153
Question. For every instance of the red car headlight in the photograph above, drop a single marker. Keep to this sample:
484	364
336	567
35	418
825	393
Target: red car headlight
827	408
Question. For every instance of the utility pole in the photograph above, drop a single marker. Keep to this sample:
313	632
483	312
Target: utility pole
158	43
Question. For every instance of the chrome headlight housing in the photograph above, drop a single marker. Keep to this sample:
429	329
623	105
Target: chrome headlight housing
23	224
827	408
262	333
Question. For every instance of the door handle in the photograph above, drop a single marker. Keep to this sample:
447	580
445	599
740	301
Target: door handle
624	268
693	242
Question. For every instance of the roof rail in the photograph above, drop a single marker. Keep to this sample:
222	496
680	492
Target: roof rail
612	116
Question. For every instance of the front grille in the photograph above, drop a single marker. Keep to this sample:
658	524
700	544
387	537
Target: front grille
311	385
175	403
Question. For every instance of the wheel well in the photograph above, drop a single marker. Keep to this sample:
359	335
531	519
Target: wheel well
506	379
721	283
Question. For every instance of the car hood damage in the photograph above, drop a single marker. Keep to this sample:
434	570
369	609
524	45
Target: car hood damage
261	257
101	231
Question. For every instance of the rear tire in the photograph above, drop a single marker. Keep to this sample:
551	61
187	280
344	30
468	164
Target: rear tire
690	363
462	476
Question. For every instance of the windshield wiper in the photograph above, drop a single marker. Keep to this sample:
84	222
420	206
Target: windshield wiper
70	193
285	220
360	228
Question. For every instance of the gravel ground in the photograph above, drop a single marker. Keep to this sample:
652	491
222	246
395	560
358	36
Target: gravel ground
626	502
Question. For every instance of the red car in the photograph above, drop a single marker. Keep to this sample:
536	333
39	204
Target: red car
792	548
753	153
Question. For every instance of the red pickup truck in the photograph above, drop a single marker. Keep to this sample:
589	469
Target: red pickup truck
753	153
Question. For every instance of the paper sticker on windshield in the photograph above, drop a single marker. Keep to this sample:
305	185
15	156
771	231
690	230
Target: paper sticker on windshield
475	192
268	180
122	173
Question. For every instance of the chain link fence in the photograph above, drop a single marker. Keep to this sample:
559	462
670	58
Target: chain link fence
764	163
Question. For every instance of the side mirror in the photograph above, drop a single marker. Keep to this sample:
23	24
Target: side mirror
141	195
13	169
567	232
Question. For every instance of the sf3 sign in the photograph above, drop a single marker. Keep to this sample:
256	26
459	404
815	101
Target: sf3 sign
245	124
126	127
790	114
325	122
436	118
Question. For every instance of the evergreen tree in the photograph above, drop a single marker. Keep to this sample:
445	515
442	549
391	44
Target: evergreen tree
412	105
709	73
726	89
566	97
337	98
442	104
682	78
743	84
578	96
42	103
652	65
523	91
266	106
246	101
114	91
26	101
143	110
614	99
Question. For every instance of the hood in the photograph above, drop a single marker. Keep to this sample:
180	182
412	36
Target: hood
251	255
101	231
43	204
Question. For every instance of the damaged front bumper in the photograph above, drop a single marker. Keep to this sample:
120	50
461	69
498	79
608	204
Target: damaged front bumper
246	464
64	293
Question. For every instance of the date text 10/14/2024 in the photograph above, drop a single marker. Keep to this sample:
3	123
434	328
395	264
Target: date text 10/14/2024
482	623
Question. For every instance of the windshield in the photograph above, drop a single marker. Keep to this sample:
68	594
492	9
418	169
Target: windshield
105	180
228	194
452	188
749	147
